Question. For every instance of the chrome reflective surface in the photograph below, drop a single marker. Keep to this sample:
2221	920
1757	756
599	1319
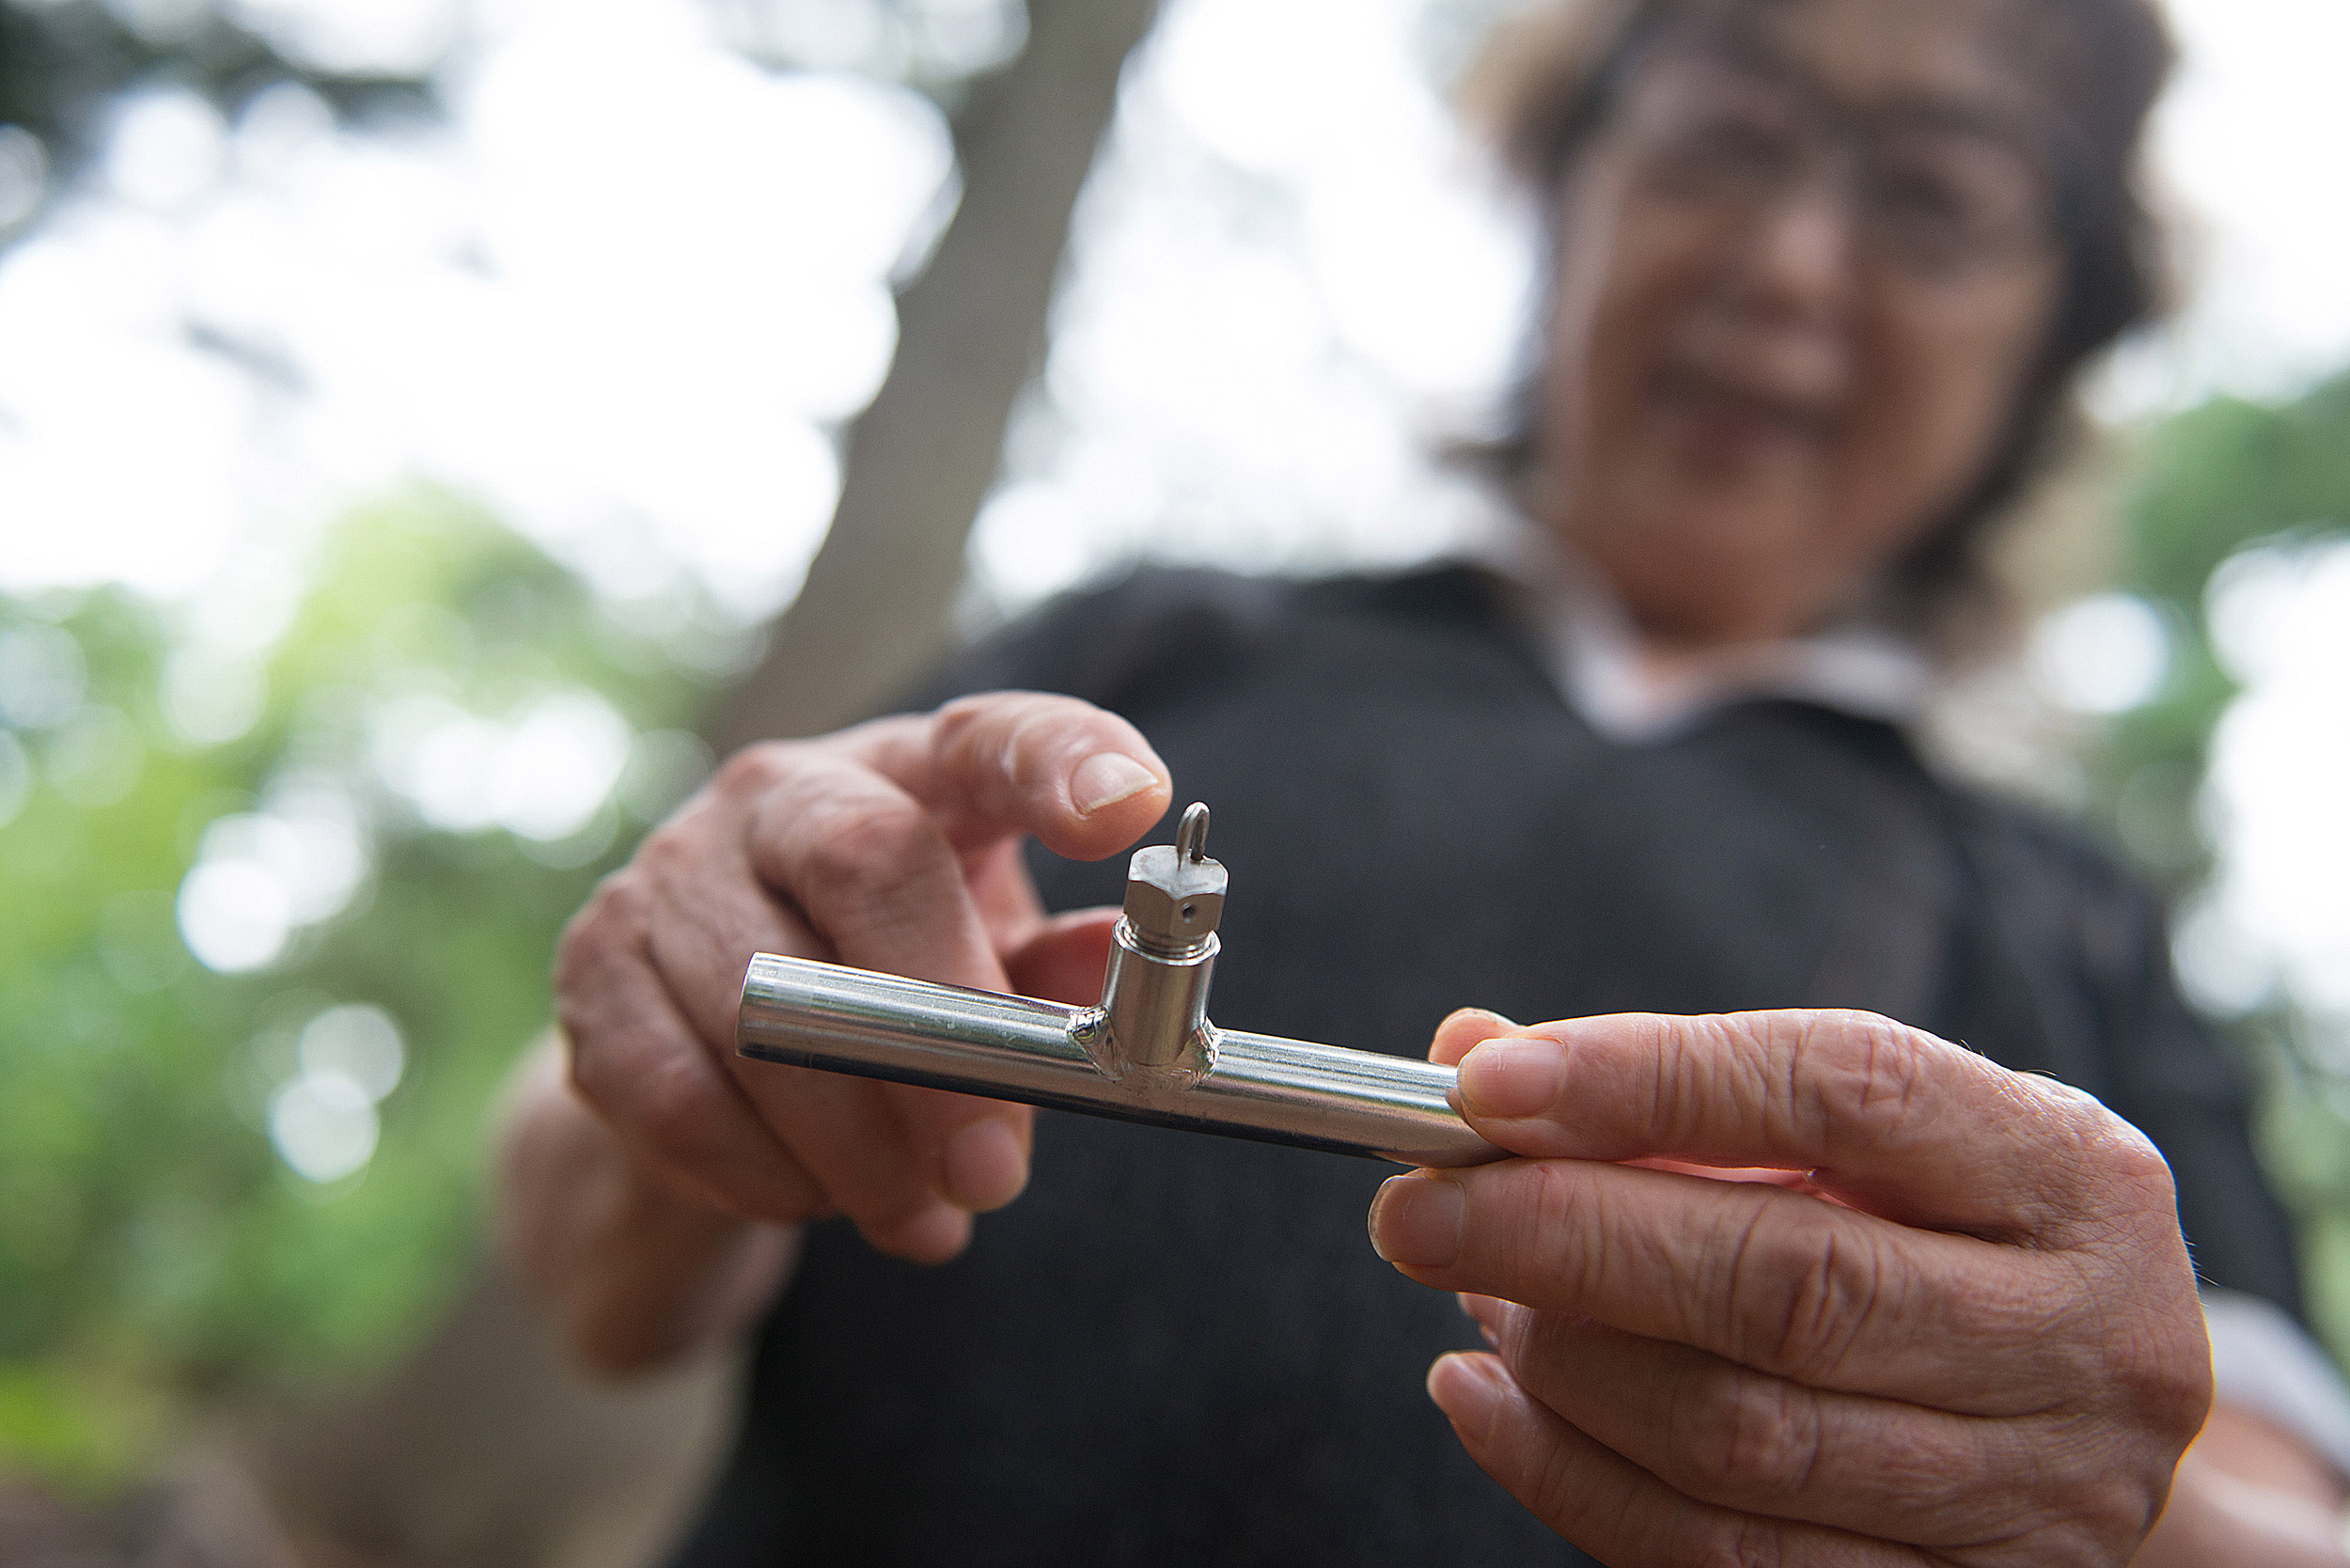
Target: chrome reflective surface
1147	1054
804	1013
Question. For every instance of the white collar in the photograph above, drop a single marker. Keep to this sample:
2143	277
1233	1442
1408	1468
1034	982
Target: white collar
1593	653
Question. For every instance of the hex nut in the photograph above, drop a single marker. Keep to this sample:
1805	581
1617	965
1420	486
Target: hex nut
1172	902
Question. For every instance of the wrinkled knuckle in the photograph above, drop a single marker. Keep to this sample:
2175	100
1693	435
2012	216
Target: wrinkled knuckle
2166	1377
1833	1289
2173	1425
1754	1438
585	941
990	731
1555	1489
611	920
1874	1075
669	857
1030	739
2105	1512
2117	1187
756	769
1739	1541
863	846
668	1103
617	907
1691	1062
951	726
2130	1157
1551	1205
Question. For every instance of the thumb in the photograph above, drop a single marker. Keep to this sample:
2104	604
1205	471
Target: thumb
1064	959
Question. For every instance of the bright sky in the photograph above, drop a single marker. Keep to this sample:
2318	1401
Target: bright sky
608	325
2251	141
635	323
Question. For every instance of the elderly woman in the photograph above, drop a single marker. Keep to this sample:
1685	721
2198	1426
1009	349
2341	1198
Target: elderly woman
1763	1285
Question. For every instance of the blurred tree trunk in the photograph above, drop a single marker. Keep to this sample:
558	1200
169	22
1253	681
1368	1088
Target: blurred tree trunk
485	1448
875	611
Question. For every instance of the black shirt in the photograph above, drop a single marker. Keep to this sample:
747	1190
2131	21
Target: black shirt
1178	1349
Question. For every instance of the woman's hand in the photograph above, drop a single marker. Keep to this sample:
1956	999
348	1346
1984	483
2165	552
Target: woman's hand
1965	1331
893	846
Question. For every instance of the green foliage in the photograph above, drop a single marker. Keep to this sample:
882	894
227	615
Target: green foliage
2208	484
154	1249
2231	472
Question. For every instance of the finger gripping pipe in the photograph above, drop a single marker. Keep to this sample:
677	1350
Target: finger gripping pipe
1145	1054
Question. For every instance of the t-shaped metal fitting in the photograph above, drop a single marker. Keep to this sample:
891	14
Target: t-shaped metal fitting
1153	1018
1147	1054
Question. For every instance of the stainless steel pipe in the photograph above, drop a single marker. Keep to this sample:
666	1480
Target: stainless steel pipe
804	1013
1147	1054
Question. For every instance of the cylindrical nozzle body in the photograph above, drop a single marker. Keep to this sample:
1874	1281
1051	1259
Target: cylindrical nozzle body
1154	994
1155	1009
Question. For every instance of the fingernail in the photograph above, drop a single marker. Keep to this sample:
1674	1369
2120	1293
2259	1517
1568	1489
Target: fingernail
1106	778
1467	1389
1508	1078
1416	1221
985	1167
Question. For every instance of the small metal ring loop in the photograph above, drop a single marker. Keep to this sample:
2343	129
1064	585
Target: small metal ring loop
1191	839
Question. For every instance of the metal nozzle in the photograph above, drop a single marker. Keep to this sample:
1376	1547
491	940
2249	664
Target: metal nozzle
1174	892
1154	994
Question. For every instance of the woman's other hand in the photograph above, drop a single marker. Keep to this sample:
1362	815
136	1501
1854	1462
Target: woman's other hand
893	846
1964	1328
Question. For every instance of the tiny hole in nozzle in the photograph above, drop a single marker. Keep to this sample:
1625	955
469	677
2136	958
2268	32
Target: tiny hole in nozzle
1191	839
1189	910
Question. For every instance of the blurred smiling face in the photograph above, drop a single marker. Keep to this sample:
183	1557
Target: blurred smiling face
1804	269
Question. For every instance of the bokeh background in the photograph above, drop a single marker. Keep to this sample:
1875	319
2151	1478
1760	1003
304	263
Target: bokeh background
419	422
